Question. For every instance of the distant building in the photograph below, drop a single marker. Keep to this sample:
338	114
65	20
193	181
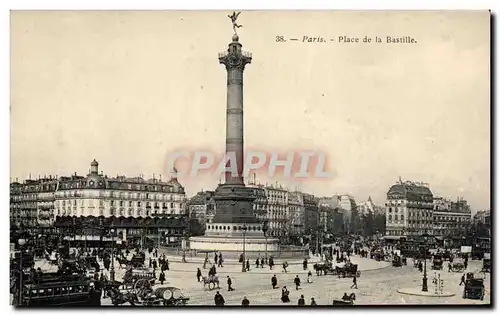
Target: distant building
297	212
202	207
311	213
409	209
346	205
450	219
369	206
483	217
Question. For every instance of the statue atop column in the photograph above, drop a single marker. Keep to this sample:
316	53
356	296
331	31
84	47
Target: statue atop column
233	18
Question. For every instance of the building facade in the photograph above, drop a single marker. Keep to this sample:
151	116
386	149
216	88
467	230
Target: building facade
409	209
451	219
61	201
297	213
202	207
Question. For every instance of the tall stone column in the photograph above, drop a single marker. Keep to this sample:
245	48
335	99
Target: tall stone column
235	60
234	201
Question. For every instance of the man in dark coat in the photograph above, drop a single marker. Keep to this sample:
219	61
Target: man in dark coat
229	283
245	301
257	262
248	264
297	282
220	260
262	262
354	283
162	277
216	258
198	274
462	280
274	281
301	301
219	299
304	264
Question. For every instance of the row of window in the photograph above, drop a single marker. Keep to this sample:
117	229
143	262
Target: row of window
115	212
228	228
121	195
119	203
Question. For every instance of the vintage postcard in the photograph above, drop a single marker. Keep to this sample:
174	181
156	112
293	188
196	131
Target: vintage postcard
250	158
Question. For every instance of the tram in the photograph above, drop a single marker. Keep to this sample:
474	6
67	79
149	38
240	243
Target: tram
74	293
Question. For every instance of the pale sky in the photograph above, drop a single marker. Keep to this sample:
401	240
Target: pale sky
127	88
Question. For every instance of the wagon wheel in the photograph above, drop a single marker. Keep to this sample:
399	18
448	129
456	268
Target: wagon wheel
142	287
211	285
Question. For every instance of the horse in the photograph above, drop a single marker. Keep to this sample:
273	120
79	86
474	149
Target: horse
212	281
118	298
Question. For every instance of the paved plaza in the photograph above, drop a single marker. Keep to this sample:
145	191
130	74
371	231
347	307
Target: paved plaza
378	284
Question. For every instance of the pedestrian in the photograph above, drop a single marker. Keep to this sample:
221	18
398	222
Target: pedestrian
449	267
198	274
162	277
219	299
262	262
465	264
313	302
304	264
354	283
150	263
248	265
301	301
229	283
284	295
297	282
167	265
462	280
245	301
309	277
216	258
284	266
274	281
257	261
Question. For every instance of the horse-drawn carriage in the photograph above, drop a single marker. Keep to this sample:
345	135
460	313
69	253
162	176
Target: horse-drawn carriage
457	266
146	296
348	270
474	288
437	262
346	300
142	275
212	281
136	261
397	261
324	268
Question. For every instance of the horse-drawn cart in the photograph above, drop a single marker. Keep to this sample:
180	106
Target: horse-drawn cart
349	270
474	289
346	300
457	266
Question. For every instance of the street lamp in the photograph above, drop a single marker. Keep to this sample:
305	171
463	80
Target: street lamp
265	228
244	229
112	272
424	279
21	243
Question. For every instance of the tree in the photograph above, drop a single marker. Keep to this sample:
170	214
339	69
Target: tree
367	224
195	228
379	223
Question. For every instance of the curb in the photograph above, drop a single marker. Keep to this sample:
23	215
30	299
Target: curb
445	294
